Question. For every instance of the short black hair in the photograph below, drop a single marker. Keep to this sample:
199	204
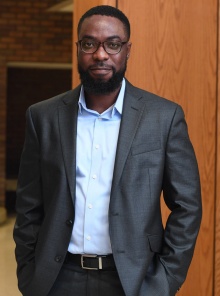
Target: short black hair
107	11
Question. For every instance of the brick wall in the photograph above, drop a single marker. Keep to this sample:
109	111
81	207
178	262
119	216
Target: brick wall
28	33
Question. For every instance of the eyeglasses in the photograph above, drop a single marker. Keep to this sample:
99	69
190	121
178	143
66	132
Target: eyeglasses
91	46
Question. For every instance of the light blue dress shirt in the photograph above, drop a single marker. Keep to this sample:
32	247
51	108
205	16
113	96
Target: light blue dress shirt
97	137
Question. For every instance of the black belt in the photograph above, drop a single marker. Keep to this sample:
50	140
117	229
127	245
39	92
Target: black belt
92	262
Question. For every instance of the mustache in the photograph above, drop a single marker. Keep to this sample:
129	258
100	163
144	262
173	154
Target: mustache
101	65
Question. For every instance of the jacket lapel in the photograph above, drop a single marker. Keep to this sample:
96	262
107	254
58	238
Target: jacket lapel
68	127
133	109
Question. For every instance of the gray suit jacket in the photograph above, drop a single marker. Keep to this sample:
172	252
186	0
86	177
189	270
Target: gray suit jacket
154	154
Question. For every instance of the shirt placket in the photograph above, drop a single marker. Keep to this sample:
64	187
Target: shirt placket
93	187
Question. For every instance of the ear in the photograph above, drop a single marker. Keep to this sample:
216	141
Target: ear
77	47
128	49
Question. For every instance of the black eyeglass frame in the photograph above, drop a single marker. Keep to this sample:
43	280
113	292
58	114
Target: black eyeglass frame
103	45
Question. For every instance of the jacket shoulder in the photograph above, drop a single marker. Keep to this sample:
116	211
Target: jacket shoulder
51	104
150	98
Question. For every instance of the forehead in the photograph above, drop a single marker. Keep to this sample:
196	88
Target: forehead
102	27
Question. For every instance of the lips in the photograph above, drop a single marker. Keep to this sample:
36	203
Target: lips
100	66
100	70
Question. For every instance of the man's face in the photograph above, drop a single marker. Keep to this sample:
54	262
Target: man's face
101	72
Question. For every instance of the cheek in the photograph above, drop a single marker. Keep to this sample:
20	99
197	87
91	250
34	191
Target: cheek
83	60
121	63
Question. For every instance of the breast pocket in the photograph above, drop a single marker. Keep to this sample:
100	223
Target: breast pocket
146	147
145	156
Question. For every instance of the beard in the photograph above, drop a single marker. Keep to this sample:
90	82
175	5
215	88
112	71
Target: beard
98	86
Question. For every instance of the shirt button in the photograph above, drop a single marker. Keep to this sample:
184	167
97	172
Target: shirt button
88	237
97	146
94	176
90	206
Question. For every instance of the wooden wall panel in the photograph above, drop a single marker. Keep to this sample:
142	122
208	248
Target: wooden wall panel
217	209
79	9
174	55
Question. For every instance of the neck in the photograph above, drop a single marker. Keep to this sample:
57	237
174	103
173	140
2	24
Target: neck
101	102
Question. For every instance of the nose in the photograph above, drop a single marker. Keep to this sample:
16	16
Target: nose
100	53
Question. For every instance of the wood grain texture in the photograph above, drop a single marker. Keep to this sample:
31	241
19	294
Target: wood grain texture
174	55
80	7
217	208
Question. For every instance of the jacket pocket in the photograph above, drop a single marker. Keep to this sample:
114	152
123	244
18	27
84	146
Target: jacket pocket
155	243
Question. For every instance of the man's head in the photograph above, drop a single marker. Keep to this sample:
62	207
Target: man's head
107	11
103	49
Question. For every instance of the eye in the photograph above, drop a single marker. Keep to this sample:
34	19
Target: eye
113	45
88	44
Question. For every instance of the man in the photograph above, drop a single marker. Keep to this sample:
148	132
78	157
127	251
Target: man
94	164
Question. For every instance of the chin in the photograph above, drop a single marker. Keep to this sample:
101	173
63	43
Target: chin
104	84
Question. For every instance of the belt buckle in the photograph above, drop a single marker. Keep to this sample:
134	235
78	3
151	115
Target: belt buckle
91	256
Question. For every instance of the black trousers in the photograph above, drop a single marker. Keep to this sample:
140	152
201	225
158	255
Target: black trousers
75	281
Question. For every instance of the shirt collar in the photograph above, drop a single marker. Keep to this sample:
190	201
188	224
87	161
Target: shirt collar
117	106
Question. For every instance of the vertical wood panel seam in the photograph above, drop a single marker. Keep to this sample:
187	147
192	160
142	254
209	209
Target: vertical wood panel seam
216	215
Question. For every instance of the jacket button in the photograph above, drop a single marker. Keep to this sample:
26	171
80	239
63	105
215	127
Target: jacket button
58	258
69	222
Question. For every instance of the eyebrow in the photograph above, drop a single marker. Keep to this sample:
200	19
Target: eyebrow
109	38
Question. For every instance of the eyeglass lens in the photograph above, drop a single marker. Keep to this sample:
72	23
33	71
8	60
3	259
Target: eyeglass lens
111	47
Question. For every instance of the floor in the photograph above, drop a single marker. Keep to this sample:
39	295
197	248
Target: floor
8	280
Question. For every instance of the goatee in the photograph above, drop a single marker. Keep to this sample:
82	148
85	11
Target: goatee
98	86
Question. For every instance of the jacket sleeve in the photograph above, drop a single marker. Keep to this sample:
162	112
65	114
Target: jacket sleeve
28	204
181	191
